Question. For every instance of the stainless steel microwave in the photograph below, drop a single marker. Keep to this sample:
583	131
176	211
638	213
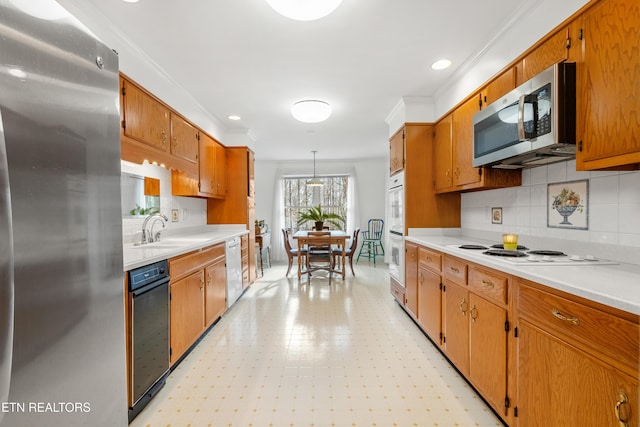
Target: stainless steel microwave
532	125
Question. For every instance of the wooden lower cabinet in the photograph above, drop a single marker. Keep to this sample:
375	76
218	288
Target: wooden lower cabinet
488	351
215	301
559	385
429	312
198	295
577	362
187	313
538	356
411	279
455	325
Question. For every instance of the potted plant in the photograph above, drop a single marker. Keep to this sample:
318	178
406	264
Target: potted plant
319	217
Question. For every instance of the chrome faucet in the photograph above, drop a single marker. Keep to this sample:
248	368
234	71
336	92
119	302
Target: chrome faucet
147	235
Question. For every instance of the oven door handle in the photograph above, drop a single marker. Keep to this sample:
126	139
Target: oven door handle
149	287
397	233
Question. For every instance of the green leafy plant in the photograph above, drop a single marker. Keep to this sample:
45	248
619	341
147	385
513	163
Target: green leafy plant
142	211
316	214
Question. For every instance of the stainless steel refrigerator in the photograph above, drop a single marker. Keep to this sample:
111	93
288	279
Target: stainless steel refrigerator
62	339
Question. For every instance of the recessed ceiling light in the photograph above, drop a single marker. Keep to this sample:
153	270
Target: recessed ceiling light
441	64
131	1
304	10
233	117
311	111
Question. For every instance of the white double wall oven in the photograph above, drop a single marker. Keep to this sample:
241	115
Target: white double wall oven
395	224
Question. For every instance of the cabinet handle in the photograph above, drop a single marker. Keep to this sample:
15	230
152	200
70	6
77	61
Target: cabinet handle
428	259
455	270
474	314
573	320
623	400
466	306
488	283
164	138
175	142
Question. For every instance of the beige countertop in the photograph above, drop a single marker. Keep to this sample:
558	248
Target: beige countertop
616	285
135	256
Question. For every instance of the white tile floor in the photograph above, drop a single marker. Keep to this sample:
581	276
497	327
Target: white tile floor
291	355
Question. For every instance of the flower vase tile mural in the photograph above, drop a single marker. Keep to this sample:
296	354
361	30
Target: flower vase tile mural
568	205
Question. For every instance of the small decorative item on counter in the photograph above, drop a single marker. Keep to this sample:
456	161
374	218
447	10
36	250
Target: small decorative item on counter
510	242
261	226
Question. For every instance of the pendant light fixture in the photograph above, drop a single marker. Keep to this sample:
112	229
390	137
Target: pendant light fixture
304	10
314	182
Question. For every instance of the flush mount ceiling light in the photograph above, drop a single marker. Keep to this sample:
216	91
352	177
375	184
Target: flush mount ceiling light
311	111
441	64
131	1
304	10
314	182
233	117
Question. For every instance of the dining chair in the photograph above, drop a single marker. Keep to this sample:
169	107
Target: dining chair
319	255
337	252
291	252
371	240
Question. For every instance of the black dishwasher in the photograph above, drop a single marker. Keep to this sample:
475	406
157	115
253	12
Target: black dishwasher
149	332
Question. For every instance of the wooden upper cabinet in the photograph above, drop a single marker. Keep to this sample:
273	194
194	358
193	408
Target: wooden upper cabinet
555	49
498	87
144	118
453	154
184	139
207	164
220	170
462	118
443	154
396	152
608	98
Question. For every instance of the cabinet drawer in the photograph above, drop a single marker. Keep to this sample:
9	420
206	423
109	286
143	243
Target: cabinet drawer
430	259
488	284
606	334
184	264
455	270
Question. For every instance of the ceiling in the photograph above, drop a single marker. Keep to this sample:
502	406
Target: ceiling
241	57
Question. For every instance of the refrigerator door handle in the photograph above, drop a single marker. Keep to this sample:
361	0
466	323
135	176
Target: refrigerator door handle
6	273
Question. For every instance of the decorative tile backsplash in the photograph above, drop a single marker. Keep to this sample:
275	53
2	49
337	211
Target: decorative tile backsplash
614	204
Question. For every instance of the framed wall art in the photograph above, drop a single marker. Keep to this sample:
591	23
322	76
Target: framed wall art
496	215
568	205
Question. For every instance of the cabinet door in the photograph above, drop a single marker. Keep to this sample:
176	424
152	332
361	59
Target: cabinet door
499	87
443	154
488	351
187	313
455	325
396	152
220	170
608	90
145	119
552	51
463	171
215	291
184	139
207	164
411	278
558	385
429	311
